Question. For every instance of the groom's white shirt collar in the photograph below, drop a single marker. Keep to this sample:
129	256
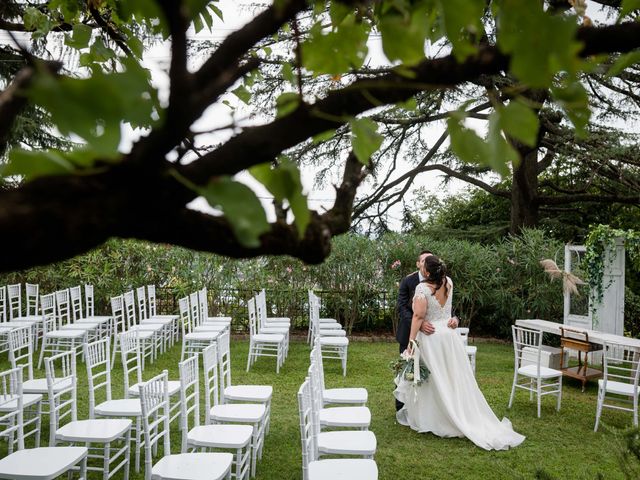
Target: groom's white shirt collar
420	277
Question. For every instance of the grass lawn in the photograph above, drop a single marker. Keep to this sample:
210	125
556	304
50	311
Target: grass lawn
563	443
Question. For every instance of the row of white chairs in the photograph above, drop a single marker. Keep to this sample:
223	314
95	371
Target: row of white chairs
328	333
268	336
341	440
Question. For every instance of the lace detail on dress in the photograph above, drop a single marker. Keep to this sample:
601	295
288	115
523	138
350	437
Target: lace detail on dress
435	312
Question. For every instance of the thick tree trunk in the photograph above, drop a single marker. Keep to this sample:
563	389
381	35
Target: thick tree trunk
524	191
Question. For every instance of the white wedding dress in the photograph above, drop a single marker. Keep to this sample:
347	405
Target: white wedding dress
449	403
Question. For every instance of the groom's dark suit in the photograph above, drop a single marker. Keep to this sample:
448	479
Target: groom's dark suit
405	308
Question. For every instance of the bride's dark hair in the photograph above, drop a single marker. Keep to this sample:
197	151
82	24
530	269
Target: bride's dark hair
437	273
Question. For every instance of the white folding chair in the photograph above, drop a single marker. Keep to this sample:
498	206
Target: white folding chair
154	398
204	312
193	342
533	377
151	294
197	317
97	360
131	356
99	435
12	408
263	344
66	321
79	317
240	393
55	339
254	414
618	388
31	291
339	396
146	338
327	469
261	306
273	327
89	302
331	347
14	295
160	331
358	417
145	319
470	349
236	438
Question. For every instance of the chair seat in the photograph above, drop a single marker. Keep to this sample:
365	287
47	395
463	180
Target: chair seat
238	412
66	334
256	393
330	326
86	326
618	388
27	320
343	469
100	430
345	416
192	466
345	395
328	320
125	407
174	388
220	436
278	319
209	328
221	319
268	338
471	350
28	399
203	336
273	331
148	327
334	341
40	463
332	333
347	442
101	319
162	317
142	333
39	385
532	371
156	321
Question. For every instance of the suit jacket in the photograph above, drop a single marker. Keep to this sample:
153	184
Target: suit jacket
405	307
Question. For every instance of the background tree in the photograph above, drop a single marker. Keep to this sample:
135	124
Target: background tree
72	200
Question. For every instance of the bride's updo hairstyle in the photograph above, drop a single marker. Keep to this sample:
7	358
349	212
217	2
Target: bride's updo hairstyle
437	273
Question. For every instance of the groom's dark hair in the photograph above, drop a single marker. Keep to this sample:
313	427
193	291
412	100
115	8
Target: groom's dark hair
423	252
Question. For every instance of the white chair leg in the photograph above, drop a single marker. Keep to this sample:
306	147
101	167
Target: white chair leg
513	389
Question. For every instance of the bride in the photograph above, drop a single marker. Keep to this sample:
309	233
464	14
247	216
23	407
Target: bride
449	403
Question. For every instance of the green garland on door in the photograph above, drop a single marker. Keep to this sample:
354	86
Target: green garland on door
600	239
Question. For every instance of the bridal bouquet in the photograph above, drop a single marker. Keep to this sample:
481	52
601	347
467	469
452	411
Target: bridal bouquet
404	367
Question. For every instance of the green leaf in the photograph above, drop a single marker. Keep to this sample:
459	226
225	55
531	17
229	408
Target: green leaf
461	18
520	122
324	136
288	75
287	103
623	61
338	51
365	139
36	21
284	184
574	100
80	38
242	93
628	6
241	208
32	164
540	43
500	152
404	36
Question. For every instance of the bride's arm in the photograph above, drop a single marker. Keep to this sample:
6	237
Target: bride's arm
419	315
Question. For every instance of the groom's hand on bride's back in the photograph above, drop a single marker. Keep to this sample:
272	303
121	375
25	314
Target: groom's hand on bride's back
427	328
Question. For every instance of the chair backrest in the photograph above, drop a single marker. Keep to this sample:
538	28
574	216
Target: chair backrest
194	304
89	301
203	304
154	399
14	293
49	314
3	304
316	396
61	385
464	333
75	293
131	359
314	316
210	367
185	316
32	290
151	292
117	312
253	320
189	396
130	308
261	309
307	436
316	356
98	362
21	349
224	361
63	307
526	346
142	303
12	419
621	364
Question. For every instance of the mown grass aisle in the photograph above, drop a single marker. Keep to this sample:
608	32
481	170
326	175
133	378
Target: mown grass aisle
561	443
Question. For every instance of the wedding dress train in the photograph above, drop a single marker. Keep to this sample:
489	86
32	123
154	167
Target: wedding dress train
449	403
